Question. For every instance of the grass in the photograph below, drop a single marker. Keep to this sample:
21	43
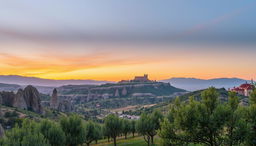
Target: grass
130	141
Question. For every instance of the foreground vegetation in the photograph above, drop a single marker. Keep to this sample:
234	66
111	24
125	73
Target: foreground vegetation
206	121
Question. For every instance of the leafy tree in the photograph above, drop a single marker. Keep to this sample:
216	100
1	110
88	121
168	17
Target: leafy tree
197	122
168	133
236	124
92	132
27	135
145	127
126	127
252	97
133	127
98	132
251	139
148	124
105	132
113	126
74	130
53	133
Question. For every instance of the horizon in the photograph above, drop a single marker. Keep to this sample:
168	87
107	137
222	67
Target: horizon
131	78
117	40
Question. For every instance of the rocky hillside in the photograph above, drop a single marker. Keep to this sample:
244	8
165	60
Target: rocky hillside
119	90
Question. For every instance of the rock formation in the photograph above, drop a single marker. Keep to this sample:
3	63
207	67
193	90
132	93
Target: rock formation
19	100
29	99
117	93
124	92
54	100
31	96
1	131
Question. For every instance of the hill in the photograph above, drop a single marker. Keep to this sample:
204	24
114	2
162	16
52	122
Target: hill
193	84
9	87
164	106
21	80
150	89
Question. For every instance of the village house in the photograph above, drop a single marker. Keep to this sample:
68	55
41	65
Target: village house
244	89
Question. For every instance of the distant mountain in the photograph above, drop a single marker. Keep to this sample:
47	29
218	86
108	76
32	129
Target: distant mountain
9	87
193	84
20	80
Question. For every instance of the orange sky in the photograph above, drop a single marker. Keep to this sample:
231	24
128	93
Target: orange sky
114	62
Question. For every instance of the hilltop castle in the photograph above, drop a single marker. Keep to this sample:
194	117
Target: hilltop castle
138	79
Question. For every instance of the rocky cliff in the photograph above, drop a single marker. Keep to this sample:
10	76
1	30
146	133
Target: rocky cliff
80	93
29	98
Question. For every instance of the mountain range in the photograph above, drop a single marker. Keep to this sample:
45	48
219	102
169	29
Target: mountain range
193	84
21	80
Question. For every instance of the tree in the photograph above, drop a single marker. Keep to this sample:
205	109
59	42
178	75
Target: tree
211	119
26	135
252	97
53	133
197	122
98	132
126	127
236	124
133	127
144	126
113	126
74	130
92	132
251	139
148	124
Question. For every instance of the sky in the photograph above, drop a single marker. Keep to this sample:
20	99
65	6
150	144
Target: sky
114	40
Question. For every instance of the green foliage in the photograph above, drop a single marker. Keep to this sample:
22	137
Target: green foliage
113	126
53	133
251	139
92	132
207	122
148	124
253	97
26	135
126	127
133	127
74	130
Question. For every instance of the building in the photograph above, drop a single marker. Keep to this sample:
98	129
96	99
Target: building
244	89
141	78
137	79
